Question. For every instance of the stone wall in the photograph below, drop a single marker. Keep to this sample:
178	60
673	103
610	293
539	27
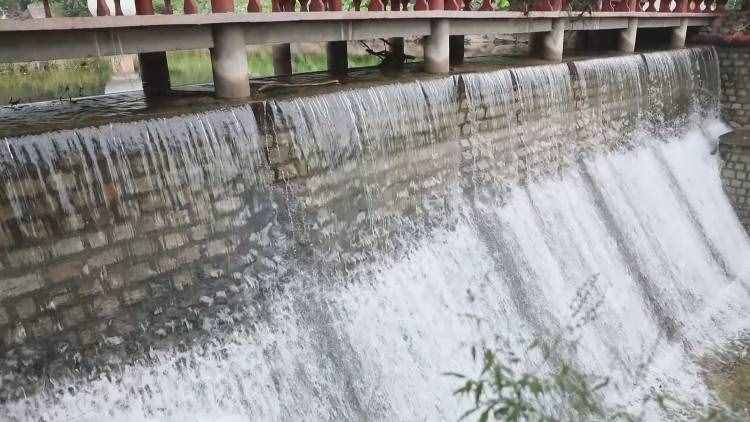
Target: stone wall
735	174
131	237
734	63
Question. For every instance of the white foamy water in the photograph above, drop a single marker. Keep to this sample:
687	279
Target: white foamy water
650	229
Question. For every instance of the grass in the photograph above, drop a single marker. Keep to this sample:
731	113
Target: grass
36	81
62	78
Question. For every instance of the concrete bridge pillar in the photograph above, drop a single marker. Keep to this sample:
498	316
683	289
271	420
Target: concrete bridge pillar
282	60
626	37
153	66
229	60
436	47
456	49
337	55
154	73
396	44
679	34
549	45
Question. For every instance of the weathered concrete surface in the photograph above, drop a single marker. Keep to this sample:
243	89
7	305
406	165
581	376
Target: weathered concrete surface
229	61
88	37
549	45
626	37
679	35
437	47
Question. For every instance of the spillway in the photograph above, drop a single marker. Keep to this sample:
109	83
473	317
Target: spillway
328	257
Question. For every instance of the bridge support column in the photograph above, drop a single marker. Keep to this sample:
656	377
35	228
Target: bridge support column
282	60
626	37
337	57
229	60
154	73
396	45
456	49
436	47
549	45
679	34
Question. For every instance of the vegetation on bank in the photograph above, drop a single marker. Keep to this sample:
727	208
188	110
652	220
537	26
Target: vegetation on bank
538	380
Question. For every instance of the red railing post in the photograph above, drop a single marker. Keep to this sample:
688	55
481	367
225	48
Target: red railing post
626	6
437	4
222	6
144	7
683	6
47	11
486	6
254	6
101	8
452	5
189	7
421	5
548	5
376	6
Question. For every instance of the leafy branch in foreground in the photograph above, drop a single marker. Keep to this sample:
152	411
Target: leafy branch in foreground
558	390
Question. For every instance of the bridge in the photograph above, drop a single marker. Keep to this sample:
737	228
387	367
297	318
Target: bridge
227	34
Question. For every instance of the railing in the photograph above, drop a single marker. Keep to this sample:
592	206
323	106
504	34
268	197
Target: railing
146	7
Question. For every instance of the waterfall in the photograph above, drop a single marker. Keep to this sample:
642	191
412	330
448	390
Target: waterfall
319	258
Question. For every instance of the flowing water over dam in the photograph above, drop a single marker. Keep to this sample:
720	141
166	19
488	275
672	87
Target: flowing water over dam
326	258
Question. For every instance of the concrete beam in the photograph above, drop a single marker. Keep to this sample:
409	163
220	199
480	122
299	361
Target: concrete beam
91	37
679	35
549	45
229	61
436	47
115	22
596	24
499	26
282	59
626	37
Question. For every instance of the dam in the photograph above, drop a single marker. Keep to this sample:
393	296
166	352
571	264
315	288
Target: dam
347	244
300	258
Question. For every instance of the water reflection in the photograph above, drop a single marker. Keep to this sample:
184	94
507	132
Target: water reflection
57	79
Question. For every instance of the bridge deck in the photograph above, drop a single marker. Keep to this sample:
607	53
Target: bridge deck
56	38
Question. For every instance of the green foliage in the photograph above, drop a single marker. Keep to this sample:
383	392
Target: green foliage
505	389
54	79
503	393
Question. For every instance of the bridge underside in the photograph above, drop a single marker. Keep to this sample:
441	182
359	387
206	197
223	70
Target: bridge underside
58	38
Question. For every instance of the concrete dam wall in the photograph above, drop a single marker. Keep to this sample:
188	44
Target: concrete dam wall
251	237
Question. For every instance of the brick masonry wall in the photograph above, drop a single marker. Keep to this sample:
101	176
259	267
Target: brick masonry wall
735	174
119	239
734	63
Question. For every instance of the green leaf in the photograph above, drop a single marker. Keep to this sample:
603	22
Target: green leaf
483	417
454	374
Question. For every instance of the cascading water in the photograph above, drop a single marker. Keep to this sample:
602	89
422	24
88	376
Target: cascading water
320	264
